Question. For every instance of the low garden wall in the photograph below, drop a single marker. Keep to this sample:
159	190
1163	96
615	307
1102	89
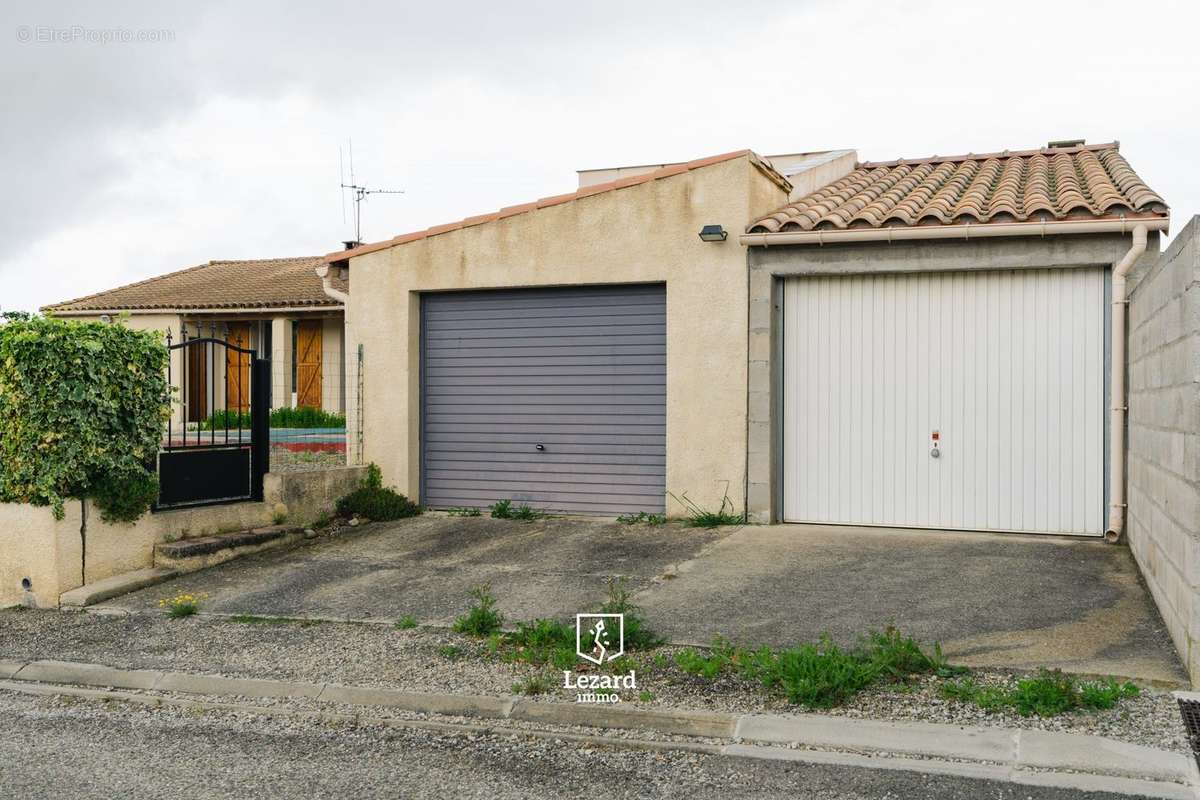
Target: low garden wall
50	553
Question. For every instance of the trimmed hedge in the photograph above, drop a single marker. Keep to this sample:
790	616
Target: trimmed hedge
82	409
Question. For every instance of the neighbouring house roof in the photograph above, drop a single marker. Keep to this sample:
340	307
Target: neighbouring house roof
587	191
1033	186
257	284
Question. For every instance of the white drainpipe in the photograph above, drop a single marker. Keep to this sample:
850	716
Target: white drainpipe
1116	476
327	286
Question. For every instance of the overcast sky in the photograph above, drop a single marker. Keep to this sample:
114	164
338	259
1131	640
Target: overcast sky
127	159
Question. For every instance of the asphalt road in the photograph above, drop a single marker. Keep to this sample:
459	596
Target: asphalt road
71	748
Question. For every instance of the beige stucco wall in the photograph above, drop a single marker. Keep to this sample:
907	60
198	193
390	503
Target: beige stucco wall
647	233
34	545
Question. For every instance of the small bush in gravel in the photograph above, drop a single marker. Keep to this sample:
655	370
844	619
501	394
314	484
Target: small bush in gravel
501	509
377	504
182	604
406	623
483	618
537	683
1048	694
638	635
821	674
450	652
504	509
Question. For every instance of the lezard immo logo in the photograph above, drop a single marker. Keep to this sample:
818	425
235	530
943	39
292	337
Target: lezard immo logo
599	638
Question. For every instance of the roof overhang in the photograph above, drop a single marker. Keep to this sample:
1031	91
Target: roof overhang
243	310
961	232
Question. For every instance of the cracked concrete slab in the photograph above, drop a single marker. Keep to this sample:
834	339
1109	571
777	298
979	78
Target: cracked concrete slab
991	600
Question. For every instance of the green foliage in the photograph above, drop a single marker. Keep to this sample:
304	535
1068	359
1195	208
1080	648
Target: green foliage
374	477
645	695
641	517
504	509
450	652
82	409
698	517
1048	694
820	674
377	504
302	417
464	511
638	635
483	618
536	683
182	605
406	623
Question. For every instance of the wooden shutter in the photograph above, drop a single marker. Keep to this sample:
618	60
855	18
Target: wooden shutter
308	364
237	369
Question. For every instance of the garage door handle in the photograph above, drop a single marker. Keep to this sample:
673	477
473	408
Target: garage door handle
540	446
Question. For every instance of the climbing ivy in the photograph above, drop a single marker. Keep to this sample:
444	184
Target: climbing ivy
82	408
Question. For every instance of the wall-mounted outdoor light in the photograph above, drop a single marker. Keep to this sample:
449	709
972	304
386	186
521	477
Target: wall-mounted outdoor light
713	233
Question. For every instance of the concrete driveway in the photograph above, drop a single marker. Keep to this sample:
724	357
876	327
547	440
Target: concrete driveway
991	600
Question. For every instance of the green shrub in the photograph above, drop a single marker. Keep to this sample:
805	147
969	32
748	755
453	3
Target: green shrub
406	623
501	509
82	410
374	477
638	635
483	619
1049	693
306	417
378	505
504	509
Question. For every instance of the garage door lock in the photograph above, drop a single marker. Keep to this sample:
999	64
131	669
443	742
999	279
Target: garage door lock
539	447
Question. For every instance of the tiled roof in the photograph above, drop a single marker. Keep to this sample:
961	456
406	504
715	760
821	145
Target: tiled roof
264	283
587	191
1080	182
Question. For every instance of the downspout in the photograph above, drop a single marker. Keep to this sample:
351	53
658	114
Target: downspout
1118	413
327	286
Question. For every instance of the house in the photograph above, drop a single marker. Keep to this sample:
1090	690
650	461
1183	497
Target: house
916	343
278	307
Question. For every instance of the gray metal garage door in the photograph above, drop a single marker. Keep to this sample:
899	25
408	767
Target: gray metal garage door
551	397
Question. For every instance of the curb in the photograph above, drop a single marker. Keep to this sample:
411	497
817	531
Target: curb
1001	753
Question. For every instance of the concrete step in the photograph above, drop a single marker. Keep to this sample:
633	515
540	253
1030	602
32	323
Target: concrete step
117	585
189	555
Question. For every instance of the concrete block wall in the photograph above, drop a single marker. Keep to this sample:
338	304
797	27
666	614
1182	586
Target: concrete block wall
1163	517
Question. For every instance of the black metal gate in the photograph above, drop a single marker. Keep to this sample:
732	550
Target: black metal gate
217	450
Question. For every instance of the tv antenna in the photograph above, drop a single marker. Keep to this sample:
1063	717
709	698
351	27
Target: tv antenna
361	193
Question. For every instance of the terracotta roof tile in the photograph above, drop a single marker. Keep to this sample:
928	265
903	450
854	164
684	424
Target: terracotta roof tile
263	283
1027	186
587	191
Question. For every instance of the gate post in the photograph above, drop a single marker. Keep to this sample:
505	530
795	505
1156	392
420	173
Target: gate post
260	425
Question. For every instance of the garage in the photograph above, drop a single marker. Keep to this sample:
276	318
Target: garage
960	400
555	398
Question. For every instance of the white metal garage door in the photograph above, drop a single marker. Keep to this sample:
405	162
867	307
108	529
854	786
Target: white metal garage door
1002	371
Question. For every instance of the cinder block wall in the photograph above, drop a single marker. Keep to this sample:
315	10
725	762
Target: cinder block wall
1163	522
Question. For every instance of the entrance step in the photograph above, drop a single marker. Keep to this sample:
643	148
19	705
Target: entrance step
189	555
99	591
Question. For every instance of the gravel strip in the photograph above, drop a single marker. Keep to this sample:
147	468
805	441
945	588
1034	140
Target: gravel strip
434	660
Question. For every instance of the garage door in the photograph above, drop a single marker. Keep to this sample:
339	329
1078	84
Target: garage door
1001	372
551	397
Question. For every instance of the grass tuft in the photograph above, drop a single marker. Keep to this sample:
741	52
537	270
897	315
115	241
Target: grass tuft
483	619
406	623
698	517
1048	694
464	511
643	518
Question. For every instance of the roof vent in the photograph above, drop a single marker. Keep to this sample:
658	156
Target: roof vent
1065	143
350	244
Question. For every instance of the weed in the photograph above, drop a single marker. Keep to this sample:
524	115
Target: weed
323	521
182	605
638	635
646	695
896	656
279	517
254	619
464	511
1048	694
406	623
374	477
642	517
504	509
698	517
537	683
450	652
482	619
695	662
